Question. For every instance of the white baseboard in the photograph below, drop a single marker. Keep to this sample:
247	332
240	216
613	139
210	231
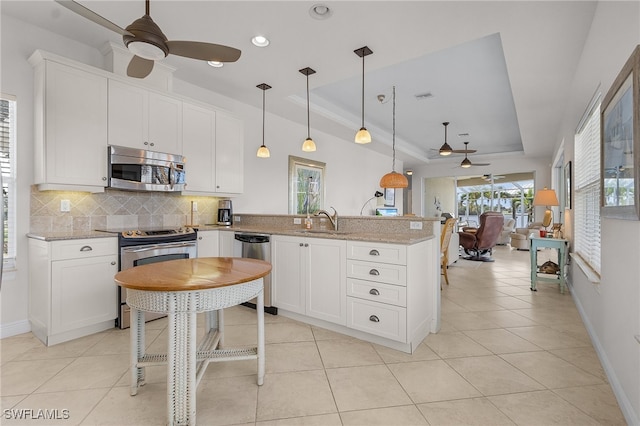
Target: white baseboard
14	328
625	405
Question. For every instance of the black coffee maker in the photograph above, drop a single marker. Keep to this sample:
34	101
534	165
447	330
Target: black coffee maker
225	213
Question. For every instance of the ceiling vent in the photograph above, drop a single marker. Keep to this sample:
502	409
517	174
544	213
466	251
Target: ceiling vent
423	96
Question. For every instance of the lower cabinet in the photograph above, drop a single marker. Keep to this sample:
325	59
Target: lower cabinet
309	277
208	244
72	292
226	243
381	292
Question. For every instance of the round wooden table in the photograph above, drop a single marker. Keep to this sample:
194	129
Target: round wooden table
182	289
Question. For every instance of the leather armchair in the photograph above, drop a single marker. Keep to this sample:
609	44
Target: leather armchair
477	245
520	238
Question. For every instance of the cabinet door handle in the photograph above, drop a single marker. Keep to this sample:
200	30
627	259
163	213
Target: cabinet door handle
113	262
86	248
301	245
374	252
374	272
146	143
306	245
199	238
104	178
374	318
374	291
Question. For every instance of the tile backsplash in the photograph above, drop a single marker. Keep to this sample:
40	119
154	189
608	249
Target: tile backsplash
116	209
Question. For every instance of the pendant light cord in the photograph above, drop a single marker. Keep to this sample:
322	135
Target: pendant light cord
263	90
363	91
308	124
394	129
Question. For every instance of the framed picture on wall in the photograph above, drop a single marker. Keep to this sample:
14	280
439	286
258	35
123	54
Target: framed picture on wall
620	136
567	185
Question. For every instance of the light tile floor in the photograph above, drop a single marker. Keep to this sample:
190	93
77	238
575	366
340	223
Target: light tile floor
504	356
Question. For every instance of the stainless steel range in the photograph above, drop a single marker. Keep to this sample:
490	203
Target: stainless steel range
141	247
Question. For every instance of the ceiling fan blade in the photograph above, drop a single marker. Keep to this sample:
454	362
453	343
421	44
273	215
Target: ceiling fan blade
139	67
92	16
463	151
203	51
480	164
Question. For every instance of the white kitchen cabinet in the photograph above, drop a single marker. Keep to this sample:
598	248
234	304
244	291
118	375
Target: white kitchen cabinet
199	148
144	119
390	290
227	243
229	161
208	244
309	277
70	127
213	144
72	292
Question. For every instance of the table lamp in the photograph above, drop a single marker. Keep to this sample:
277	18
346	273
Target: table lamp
546	197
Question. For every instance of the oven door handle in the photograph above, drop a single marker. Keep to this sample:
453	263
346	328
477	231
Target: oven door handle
158	246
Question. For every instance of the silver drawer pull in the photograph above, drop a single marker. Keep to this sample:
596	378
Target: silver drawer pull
374	291
86	248
374	252
374	272
113	263
374	318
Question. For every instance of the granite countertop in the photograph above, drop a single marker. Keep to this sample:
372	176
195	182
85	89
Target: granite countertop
77	235
394	238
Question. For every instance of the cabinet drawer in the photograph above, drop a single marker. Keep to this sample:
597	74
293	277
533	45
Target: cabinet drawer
383	253
79	249
377	292
377	318
378	272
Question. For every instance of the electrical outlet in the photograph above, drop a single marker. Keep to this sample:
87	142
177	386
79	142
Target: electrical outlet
415	225
65	205
237	219
297	221
194	206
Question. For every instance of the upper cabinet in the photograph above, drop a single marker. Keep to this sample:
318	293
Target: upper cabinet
213	144
70	117
140	118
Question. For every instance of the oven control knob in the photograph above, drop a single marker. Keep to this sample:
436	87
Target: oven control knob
127	233
138	233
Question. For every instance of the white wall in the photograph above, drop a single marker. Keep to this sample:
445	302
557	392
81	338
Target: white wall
610	309
443	189
352	171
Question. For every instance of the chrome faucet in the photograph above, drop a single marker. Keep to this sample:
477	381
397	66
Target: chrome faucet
332	217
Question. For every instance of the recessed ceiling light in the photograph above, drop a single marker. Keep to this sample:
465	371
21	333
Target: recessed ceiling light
260	41
215	64
320	11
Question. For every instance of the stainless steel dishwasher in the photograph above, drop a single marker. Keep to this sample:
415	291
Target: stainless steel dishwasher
257	246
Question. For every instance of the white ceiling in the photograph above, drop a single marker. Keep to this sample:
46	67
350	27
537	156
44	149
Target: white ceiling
499	71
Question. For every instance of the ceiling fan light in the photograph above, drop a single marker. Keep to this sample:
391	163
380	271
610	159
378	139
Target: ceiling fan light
309	145
394	180
466	163
146	50
216	64
263	152
445	149
363	136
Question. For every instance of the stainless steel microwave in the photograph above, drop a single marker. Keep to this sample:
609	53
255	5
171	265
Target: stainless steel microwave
142	170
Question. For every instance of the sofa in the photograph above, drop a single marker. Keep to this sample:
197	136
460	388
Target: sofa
520	238
507	229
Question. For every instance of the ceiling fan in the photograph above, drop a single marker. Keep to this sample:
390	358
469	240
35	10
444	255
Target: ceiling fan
491	177
148	44
446	149
466	163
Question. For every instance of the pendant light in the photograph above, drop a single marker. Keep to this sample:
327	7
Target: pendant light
466	163
363	135
394	179
445	149
308	145
263	151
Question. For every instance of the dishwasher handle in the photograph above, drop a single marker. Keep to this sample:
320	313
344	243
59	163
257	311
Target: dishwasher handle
252	238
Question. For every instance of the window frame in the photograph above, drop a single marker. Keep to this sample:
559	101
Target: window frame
10	183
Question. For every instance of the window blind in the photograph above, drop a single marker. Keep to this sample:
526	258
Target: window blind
587	189
7	167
